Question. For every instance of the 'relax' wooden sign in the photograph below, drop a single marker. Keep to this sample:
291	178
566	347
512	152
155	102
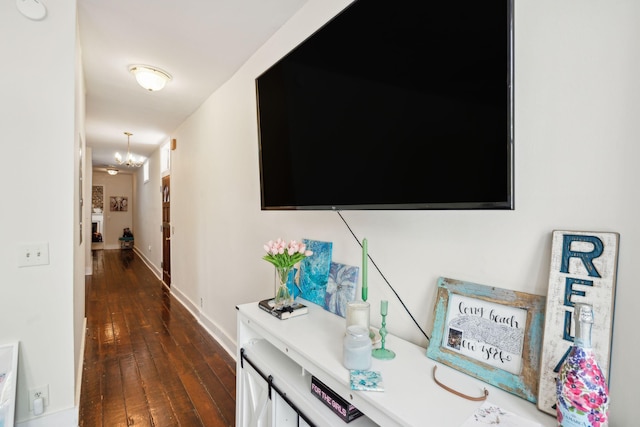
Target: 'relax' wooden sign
583	269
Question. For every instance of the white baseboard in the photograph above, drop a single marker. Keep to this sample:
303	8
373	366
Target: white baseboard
216	333
80	368
156	271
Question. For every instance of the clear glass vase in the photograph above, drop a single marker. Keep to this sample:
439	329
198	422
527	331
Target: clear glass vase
283	296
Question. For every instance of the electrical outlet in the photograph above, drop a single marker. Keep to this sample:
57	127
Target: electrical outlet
37	392
201	302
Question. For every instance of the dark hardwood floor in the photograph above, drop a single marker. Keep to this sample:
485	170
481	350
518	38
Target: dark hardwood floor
147	361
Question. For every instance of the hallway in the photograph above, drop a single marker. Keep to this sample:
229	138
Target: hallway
147	361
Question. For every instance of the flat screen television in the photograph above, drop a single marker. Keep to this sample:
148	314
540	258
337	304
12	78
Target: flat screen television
392	105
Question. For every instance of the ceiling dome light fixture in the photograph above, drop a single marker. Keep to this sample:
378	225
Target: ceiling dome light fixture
129	161
150	78
112	171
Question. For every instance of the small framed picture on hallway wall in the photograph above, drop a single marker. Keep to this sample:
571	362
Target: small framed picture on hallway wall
119	203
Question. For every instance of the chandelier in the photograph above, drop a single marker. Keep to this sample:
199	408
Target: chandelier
129	161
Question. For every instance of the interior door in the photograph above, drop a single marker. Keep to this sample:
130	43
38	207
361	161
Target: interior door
166	230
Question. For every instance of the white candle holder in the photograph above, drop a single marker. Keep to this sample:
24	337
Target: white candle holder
358	313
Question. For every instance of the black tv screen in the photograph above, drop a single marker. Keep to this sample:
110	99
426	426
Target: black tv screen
392	105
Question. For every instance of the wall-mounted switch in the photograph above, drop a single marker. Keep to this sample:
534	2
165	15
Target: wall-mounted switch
31	254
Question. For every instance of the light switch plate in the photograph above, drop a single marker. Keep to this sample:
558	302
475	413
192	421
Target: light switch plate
32	254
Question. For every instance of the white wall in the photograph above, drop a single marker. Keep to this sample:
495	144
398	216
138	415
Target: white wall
148	219
88	195
82	205
115	221
43	306
576	104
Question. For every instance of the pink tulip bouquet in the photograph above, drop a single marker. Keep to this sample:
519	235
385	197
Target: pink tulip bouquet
284	256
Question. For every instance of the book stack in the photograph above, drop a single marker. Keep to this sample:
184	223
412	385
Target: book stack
296	309
346	411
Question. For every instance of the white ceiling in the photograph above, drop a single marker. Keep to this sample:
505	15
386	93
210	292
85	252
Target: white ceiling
201	43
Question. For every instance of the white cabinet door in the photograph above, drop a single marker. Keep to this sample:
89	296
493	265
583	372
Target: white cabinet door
258	410
256	406
283	414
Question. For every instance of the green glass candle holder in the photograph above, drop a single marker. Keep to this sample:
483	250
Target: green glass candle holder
382	352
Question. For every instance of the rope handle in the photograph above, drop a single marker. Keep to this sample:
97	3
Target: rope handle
449	389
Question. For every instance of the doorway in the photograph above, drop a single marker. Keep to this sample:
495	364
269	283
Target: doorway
166	230
97	218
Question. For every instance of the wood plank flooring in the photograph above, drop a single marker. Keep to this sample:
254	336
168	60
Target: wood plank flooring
147	361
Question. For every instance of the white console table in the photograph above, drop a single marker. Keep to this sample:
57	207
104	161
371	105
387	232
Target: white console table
284	354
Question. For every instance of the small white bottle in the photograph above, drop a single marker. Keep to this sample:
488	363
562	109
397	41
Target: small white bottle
356	349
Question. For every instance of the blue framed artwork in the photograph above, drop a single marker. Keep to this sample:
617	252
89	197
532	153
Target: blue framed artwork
341	288
314	271
489	333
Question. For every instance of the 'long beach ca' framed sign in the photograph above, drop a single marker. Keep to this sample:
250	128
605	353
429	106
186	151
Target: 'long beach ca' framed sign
490	333
583	269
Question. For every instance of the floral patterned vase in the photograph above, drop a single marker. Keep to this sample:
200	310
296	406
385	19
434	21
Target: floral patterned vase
582	391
